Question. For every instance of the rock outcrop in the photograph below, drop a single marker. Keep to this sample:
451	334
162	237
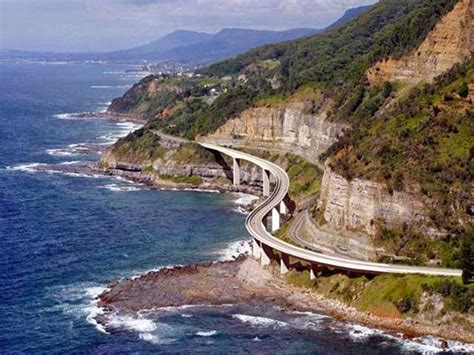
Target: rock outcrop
451	42
358	205
213	171
284	127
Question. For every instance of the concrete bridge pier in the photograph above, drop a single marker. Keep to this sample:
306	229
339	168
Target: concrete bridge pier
266	182
256	250
284	263
283	208
313	272
236	172
275	220
266	253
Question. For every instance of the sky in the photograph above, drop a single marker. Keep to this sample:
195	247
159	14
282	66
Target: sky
103	25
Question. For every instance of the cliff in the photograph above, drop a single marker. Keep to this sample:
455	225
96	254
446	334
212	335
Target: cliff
287	127
398	159
451	42
359	205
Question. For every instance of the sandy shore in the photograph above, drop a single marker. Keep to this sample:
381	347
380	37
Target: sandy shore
244	281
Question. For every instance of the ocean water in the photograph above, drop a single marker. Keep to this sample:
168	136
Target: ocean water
65	236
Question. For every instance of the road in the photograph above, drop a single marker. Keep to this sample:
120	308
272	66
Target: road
255	226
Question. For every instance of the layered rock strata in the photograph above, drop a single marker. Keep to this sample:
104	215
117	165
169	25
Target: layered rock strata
451	42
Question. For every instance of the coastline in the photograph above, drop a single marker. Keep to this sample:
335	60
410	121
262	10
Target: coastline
244	281
153	181
282	293
111	116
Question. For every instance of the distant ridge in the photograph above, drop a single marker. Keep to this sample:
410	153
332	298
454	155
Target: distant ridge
190	46
349	15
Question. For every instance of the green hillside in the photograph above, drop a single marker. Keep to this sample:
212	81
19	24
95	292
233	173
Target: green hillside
334	62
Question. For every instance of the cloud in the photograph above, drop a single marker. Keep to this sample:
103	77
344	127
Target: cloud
74	25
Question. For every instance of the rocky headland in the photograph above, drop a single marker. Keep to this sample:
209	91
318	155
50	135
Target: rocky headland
244	281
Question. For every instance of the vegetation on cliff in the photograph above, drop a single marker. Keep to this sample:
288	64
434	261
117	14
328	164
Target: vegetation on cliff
335	61
418	140
395	296
138	147
422	143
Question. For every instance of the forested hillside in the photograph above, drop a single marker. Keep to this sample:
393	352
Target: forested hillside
412	137
333	62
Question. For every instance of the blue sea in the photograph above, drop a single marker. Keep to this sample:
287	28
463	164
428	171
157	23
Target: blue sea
65	235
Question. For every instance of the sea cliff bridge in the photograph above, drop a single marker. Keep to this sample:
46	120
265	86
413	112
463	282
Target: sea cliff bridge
266	246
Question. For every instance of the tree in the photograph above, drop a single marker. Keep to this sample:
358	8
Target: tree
467	257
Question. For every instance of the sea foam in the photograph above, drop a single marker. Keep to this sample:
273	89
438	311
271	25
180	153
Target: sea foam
260	321
234	250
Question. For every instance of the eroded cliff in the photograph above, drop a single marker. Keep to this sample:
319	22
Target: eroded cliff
451	42
288	127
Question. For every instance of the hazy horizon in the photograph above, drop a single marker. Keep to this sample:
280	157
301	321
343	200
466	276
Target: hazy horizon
92	26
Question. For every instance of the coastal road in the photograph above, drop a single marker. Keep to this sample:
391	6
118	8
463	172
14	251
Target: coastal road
255	226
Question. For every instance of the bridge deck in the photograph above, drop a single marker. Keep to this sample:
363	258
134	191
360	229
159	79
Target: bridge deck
256	228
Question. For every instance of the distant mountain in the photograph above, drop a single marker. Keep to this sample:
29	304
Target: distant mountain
349	15
190	46
153	49
232	41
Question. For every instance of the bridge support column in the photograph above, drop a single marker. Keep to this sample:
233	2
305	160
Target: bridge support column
313	272
275	220
266	182
283	209
284	263
266	253
236	172
256	251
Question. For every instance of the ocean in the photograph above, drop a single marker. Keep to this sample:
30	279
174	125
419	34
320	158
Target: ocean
65	235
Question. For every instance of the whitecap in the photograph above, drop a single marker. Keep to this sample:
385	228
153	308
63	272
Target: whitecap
431	344
240	210
80	300
147	329
234	250
359	332
120	188
103	106
140	324
245	199
68	116
28	167
43	168
210	191
72	162
207	333
260	321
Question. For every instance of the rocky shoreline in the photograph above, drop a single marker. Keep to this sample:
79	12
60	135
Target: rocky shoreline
155	182
111	116
244	281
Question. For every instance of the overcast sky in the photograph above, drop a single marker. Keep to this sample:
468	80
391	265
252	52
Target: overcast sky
100	25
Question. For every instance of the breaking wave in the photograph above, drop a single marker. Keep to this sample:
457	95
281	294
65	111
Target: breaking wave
234	250
260	321
207	334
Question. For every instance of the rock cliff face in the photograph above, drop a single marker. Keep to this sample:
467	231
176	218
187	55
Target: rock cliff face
358	205
285	127
152	171
451	42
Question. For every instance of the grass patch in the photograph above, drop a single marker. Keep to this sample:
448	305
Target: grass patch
141	146
300	279
192	153
181	179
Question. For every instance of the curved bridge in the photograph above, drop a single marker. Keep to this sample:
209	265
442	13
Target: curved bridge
265	243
